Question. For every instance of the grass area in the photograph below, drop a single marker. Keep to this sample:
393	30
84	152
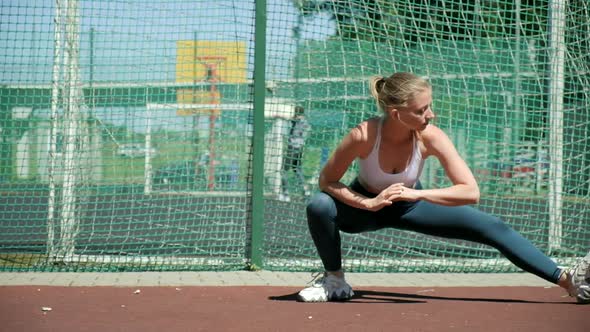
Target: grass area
175	147
18	261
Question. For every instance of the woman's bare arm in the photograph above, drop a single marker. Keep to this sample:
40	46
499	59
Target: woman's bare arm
464	189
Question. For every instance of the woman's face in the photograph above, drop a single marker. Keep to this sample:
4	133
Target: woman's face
418	113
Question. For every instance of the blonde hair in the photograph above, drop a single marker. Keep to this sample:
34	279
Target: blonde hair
396	90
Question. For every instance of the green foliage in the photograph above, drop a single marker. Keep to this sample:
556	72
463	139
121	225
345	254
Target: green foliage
253	267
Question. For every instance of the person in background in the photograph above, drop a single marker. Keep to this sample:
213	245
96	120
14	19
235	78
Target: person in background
298	132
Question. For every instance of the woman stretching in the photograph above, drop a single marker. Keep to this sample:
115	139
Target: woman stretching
391	150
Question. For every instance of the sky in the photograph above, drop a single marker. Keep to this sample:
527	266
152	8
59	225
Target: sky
136	40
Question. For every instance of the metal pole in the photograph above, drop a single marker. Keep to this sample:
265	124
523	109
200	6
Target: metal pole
517	80
51	208
73	140
556	92
148	146
212	79
257	217
196	116
91	76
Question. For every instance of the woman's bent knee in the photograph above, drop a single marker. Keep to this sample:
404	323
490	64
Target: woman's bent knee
321	205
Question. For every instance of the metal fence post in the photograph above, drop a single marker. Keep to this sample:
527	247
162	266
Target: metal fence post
257	216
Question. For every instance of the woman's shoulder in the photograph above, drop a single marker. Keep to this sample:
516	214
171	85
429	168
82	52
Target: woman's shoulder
432	132
366	130
434	138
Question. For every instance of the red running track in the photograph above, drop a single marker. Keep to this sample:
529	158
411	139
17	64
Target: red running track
258	308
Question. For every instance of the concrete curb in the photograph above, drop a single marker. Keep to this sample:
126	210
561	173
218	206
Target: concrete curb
266	278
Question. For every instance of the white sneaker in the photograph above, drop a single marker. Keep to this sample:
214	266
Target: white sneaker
579	276
326	288
284	198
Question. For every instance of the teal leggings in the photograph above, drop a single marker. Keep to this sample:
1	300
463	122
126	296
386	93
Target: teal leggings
327	216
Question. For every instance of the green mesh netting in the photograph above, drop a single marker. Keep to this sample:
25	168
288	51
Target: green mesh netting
127	127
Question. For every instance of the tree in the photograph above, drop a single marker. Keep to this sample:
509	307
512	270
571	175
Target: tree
371	20
425	20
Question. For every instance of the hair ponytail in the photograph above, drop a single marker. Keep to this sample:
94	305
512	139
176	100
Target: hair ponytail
376	86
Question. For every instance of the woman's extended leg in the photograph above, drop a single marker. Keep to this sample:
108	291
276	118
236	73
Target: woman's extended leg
468	223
